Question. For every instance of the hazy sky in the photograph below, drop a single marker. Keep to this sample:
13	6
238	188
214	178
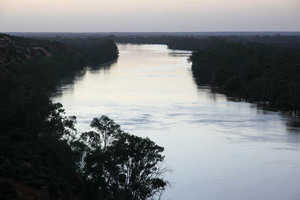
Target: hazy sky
149	15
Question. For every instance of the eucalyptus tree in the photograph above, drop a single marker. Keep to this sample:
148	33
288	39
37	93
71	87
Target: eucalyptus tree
120	165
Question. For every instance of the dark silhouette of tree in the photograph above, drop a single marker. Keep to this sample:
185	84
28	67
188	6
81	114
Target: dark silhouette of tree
120	165
107	128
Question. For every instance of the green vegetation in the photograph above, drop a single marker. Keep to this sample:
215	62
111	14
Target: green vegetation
42	156
251	71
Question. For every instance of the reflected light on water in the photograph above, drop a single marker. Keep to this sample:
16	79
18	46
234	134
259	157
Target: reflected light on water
218	149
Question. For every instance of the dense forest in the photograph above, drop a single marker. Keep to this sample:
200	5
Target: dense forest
42	156
251	71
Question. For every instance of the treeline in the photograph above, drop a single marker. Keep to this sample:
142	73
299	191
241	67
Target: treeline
48	61
42	156
193	43
90	48
80	40
251	71
181	41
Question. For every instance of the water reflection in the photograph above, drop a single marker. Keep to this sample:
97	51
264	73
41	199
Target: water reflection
105	68
68	83
293	123
180	53
219	149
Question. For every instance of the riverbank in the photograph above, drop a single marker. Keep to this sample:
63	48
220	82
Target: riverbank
36	159
252	72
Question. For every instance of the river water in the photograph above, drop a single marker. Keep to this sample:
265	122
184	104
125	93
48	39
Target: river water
217	149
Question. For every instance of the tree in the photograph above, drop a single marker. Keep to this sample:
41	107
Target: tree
136	167
107	128
120	165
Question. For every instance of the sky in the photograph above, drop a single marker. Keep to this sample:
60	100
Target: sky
149	15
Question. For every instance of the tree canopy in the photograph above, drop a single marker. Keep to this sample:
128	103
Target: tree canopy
120	165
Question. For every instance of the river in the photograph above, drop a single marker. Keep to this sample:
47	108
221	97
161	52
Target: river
217	149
